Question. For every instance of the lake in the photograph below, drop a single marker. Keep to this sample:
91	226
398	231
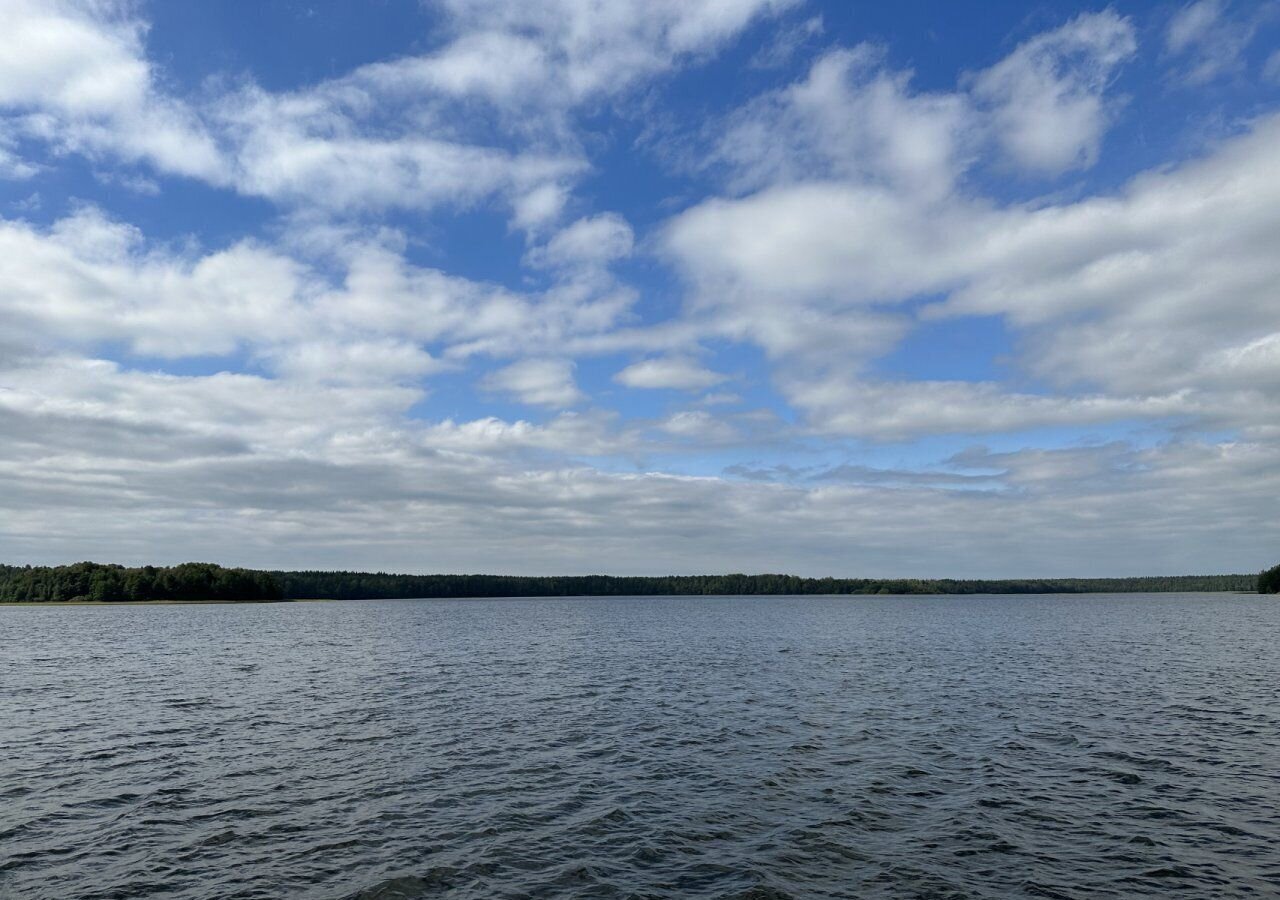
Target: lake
749	747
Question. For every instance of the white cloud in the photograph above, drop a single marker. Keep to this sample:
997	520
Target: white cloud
1208	40
1144	290
897	411
1161	291
333	361
238	411
1271	68
396	134
537	382
786	42
501	66
848	244
582	48
539	206
672	373
89	278
699	425
592	242
720	398
850	119
569	433
12	167
359	313
1047	97
75	74
325	147
160	469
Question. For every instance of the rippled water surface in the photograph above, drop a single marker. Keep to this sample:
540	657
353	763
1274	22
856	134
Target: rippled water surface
945	747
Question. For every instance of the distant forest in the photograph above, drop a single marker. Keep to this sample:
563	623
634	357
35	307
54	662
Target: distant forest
88	581
1269	581
367	586
93	582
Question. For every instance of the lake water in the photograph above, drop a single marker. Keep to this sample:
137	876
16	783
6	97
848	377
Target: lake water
749	747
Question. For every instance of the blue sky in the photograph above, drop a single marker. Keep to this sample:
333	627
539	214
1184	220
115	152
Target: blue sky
981	289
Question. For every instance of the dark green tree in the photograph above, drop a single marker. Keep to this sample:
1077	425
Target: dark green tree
1269	581
110	583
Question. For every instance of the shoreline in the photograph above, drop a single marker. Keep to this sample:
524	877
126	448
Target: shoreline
51	603
198	582
5	603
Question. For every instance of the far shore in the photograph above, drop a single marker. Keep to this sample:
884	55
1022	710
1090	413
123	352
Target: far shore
39	603
152	602
197	582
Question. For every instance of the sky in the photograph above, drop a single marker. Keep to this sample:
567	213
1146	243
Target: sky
971	288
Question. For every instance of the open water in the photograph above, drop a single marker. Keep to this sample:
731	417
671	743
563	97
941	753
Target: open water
737	747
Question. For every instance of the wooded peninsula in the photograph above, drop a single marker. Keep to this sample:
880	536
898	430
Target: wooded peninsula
88	582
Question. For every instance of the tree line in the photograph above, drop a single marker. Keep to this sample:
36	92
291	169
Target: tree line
1269	581
381	585
88	581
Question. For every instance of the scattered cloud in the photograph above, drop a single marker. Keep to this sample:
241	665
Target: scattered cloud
786	42
854	119
897	411
12	166
1047	98
700	426
593	241
537	382
571	51
849	118
1083	284
671	373
1209	39
76	75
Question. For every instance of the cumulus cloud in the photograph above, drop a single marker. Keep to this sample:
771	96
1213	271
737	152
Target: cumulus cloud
583	48
855	120
90	278
76	74
845	243
1152	289
353	362
1153	298
328	146
1047	97
592	241
360	313
849	118
699	425
672	373
574	434
539	206
537	382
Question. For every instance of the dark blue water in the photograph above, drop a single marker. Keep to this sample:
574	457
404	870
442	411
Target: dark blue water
942	747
